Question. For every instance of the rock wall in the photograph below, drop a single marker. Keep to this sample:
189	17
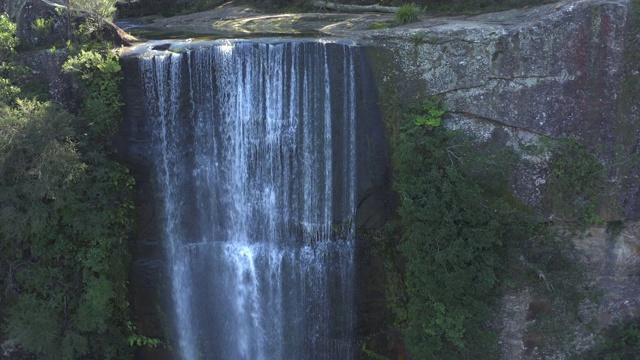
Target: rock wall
524	78
562	70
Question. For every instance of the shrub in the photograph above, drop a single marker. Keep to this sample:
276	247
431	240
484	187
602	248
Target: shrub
429	113
620	342
407	13
104	8
456	220
43	26
378	26
575	180
8	43
100	75
8	39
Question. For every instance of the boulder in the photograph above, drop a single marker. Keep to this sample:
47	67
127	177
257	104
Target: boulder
26	12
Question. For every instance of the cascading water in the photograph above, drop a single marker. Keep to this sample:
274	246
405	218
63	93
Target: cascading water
255	154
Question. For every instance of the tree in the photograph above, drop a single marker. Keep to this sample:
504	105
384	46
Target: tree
8	43
103	8
65	211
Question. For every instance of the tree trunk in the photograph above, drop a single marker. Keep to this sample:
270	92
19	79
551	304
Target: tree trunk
327	5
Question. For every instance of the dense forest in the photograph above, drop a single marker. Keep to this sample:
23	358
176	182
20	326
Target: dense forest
66	204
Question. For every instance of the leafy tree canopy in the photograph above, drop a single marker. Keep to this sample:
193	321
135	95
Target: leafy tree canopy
65	210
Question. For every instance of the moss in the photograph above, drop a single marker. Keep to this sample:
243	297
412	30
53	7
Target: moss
576	180
624	159
621	342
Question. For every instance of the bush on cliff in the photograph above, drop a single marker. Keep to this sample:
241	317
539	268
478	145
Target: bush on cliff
103	8
456	222
65	211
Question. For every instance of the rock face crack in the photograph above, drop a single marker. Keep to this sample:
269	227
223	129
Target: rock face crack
491	82
444	42
522	77
498	122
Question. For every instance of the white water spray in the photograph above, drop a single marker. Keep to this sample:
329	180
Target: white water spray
255	154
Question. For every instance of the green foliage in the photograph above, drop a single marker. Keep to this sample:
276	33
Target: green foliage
8	43
407	13
35	325
103	8
576	177
429	113
62	229
135	339
42	27
621	342
456	222
35	89
372	354
65	212
101	108
378	26
8	39
7	90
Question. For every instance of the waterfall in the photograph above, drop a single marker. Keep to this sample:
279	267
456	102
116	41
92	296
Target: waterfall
255	154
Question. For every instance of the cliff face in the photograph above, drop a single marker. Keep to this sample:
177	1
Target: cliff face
556	71
527	79
521	78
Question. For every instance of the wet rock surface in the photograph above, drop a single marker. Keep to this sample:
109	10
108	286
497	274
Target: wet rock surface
535	325
236	21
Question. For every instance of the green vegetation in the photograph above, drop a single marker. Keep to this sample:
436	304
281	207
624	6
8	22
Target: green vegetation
8	39
428	114
65	213
8	43
103	8
372	354
456	224
407	13
621	342
461	240
378	26
575	181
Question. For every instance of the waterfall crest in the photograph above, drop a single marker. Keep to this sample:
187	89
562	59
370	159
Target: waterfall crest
255	154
